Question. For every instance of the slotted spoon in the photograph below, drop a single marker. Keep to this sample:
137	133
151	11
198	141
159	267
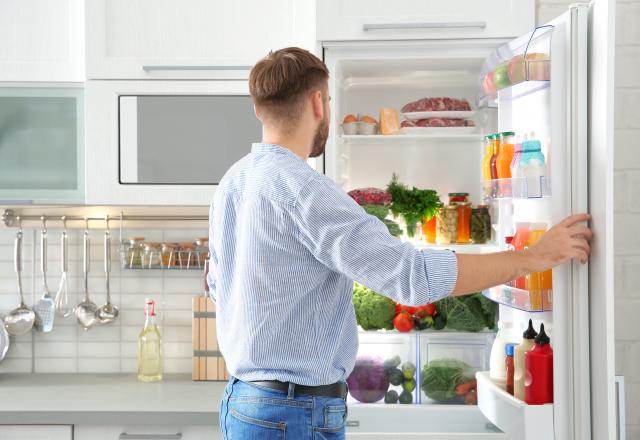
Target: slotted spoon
45	307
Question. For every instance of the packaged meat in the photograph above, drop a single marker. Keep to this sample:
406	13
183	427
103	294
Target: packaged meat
370	196
437	104
389	121
441	122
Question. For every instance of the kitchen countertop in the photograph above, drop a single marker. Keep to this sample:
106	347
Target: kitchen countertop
89	399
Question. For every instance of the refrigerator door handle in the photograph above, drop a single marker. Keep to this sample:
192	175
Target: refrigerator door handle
620	408
432	25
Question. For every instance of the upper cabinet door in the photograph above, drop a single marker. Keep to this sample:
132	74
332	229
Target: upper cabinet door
418	19
169	39
42	40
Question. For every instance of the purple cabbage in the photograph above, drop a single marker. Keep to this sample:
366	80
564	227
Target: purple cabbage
368	381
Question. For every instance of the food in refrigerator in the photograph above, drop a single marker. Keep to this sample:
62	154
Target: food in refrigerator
501	77
517	154
359	125
525	346
537	283
480	224
438	122
389	121
497	371
412	204
493	162
532	67
370	196
464	219
509	367
368	382
519	243
468	313
444	380
538	383
373	311
429	228
447	225
505	155
436	104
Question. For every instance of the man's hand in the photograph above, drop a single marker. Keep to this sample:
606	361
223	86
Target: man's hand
567	240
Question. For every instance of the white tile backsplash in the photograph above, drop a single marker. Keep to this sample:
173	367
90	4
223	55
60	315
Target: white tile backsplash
110	348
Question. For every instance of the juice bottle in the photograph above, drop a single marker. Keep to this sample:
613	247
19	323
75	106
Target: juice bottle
150	347
519	242
486	160
494	157
505	155
534	280
517	153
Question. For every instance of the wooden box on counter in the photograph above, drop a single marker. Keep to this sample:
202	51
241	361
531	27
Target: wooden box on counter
208	363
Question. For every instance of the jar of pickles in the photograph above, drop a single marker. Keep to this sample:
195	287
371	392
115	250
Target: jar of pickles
480	224
202	250
461	197
134	252
447	225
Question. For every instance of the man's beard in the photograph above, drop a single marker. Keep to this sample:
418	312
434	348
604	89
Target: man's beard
320	138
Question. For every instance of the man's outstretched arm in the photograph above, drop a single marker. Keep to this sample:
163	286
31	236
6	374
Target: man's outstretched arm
567	240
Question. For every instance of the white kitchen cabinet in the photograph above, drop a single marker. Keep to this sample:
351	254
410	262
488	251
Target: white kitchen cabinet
418	20
42	40
150	39
140	432
36	432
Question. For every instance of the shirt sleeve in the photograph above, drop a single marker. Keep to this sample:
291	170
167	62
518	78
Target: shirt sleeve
342	236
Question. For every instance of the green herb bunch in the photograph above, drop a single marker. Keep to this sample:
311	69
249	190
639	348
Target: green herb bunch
412	204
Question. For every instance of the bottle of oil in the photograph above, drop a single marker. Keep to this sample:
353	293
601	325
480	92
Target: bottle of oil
150	347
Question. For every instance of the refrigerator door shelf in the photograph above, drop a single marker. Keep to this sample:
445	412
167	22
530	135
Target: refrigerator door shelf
539	301
514	417
518	188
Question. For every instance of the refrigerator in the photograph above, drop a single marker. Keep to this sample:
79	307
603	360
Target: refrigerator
563	99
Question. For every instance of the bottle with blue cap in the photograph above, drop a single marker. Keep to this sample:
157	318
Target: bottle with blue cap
509	350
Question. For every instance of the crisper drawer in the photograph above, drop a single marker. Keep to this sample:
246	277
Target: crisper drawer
419	20
141	432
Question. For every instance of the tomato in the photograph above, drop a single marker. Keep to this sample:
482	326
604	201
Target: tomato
425	310
403	322
398	308
409	309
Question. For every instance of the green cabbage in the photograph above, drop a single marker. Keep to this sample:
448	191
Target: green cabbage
440	377
470	313
373	311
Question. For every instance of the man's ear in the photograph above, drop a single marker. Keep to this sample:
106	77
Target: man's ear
257	113
317	104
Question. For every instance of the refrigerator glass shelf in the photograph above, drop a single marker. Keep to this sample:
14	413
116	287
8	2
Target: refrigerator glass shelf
518	188
410	139
514	417
528	301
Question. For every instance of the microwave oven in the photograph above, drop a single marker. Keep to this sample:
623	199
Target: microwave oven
164	142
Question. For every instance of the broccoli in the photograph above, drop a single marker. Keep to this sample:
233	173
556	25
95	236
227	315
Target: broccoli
373	311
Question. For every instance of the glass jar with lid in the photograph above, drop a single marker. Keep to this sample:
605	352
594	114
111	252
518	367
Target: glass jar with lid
134	252
447	225
186	255
480	224
151	256
202	250
460	197
464	219
168	255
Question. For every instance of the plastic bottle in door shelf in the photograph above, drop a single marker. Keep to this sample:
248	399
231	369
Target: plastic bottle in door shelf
517	154
538	283
497	370
538	363
505	155
509	367
519	242
532	166
521	349
486	160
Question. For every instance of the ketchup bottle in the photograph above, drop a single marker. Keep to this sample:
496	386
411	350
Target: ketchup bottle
538	364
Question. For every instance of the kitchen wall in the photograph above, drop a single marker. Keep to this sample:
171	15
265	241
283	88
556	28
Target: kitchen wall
109	348
627	197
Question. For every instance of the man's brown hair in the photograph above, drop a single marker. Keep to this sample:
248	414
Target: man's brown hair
280	82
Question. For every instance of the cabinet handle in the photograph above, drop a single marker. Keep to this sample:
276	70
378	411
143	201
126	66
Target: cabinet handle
434	25
188	68
125	436
621	427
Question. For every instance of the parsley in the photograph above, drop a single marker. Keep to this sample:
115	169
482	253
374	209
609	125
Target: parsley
412	204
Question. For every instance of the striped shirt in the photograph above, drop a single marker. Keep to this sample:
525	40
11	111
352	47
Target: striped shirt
286	244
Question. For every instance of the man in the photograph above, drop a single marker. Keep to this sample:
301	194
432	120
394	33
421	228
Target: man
286	245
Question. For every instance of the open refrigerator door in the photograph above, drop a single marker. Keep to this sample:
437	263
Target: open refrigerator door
532	90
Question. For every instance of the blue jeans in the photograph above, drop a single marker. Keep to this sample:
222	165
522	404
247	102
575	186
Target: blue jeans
249	411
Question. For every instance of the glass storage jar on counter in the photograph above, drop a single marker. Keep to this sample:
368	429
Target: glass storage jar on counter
447	225
134	253
385	369
186	255
480	224
448	364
